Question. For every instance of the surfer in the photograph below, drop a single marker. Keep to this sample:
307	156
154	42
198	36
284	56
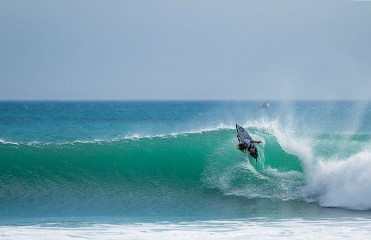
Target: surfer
248	145
245	142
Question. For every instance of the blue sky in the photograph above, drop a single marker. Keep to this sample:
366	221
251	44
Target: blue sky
205	49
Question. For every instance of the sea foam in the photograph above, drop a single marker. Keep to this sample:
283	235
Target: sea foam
214	229
344	182
332	181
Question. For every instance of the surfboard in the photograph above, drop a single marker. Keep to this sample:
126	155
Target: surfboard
242	133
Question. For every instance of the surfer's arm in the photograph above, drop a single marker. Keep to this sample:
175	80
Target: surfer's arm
253	141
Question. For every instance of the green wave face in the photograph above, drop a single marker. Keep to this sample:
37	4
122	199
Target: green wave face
132	174
181	174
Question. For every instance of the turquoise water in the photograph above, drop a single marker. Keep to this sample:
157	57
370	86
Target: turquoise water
151	161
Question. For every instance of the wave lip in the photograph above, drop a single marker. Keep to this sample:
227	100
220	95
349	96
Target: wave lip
7	142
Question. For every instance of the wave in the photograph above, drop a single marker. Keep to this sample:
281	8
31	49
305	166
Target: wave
184	171
7	142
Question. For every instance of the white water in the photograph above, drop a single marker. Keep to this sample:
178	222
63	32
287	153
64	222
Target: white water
344	182
333	181
354	228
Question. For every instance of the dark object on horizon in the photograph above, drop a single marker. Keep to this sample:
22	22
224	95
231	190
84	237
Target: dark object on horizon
265	105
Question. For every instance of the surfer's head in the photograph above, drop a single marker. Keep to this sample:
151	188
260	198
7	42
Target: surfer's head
241	146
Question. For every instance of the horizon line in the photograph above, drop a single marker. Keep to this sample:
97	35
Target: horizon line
173	100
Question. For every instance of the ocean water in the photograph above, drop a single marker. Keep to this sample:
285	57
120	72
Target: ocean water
171	170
